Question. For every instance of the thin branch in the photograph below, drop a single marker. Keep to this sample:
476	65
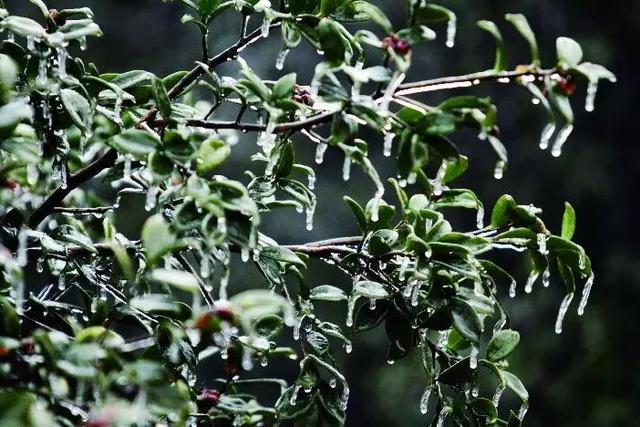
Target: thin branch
467	80
256	127
84	211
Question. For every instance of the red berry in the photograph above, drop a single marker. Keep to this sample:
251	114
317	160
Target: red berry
28	346
567	86
399	46
210	396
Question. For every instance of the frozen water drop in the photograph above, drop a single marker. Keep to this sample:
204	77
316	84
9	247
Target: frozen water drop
473	358
346	168
547	134
585	294
424	400
561	138
388	144
282	56
592	90
564	306
498	171
321	148
439	179
451	31
480	218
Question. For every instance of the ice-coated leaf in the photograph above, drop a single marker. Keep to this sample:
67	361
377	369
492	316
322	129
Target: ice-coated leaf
502	344
182	280
328	293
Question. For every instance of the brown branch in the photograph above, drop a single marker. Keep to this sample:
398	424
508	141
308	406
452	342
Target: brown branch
255	127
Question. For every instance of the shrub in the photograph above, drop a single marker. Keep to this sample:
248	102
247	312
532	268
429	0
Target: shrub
126	330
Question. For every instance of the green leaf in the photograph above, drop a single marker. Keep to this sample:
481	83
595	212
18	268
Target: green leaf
162	98
157	238
78	107
283	88
269	326
501	214
318	342
136	142
501	53
370	289
521	24
466	320
372	12
358	212
569	52
328	293
516	386
100	334
282	254
11	115
24	27
502	344
182	280
485	408
568	222
211	154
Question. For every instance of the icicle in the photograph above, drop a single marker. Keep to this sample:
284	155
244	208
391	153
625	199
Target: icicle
282	56
480	218
498	171
348	348
533	276
372	304
205	266
64	183
32	174
497	395
404	264
224	283
375	205
592	90
563	311
512	289
443	339
21	255
415	294
523	411
424	400
475	390
266	26
150	201
40	264
333	383
294	395
441	418
31	43
351	306
42	78
388	144
126	170
451	31
346	168
546	275
473	357
61	282
585	294
438	181
321	148
264	360
83	43
542	243
547	134
222	225
562	137
309	218
247	362
245	255
345	397
62	62
296	328
312	181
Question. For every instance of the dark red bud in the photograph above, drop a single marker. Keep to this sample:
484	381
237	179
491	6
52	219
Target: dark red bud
399	46
567	86
28	346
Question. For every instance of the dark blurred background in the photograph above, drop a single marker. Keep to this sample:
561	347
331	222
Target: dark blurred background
589	375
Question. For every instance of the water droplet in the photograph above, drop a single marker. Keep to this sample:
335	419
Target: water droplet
346	168
344	400
312	181
282	56
294	395
150	201
309	218
523	411
562	137
542	243
415	294
533	276
438	181
480	218
333	383
547	134
388	143
348	348
321	148
451	31
564	306
473	358
266	26
351	306
498	171
247	360
424	400
441	418
592	90
586	291
512	289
